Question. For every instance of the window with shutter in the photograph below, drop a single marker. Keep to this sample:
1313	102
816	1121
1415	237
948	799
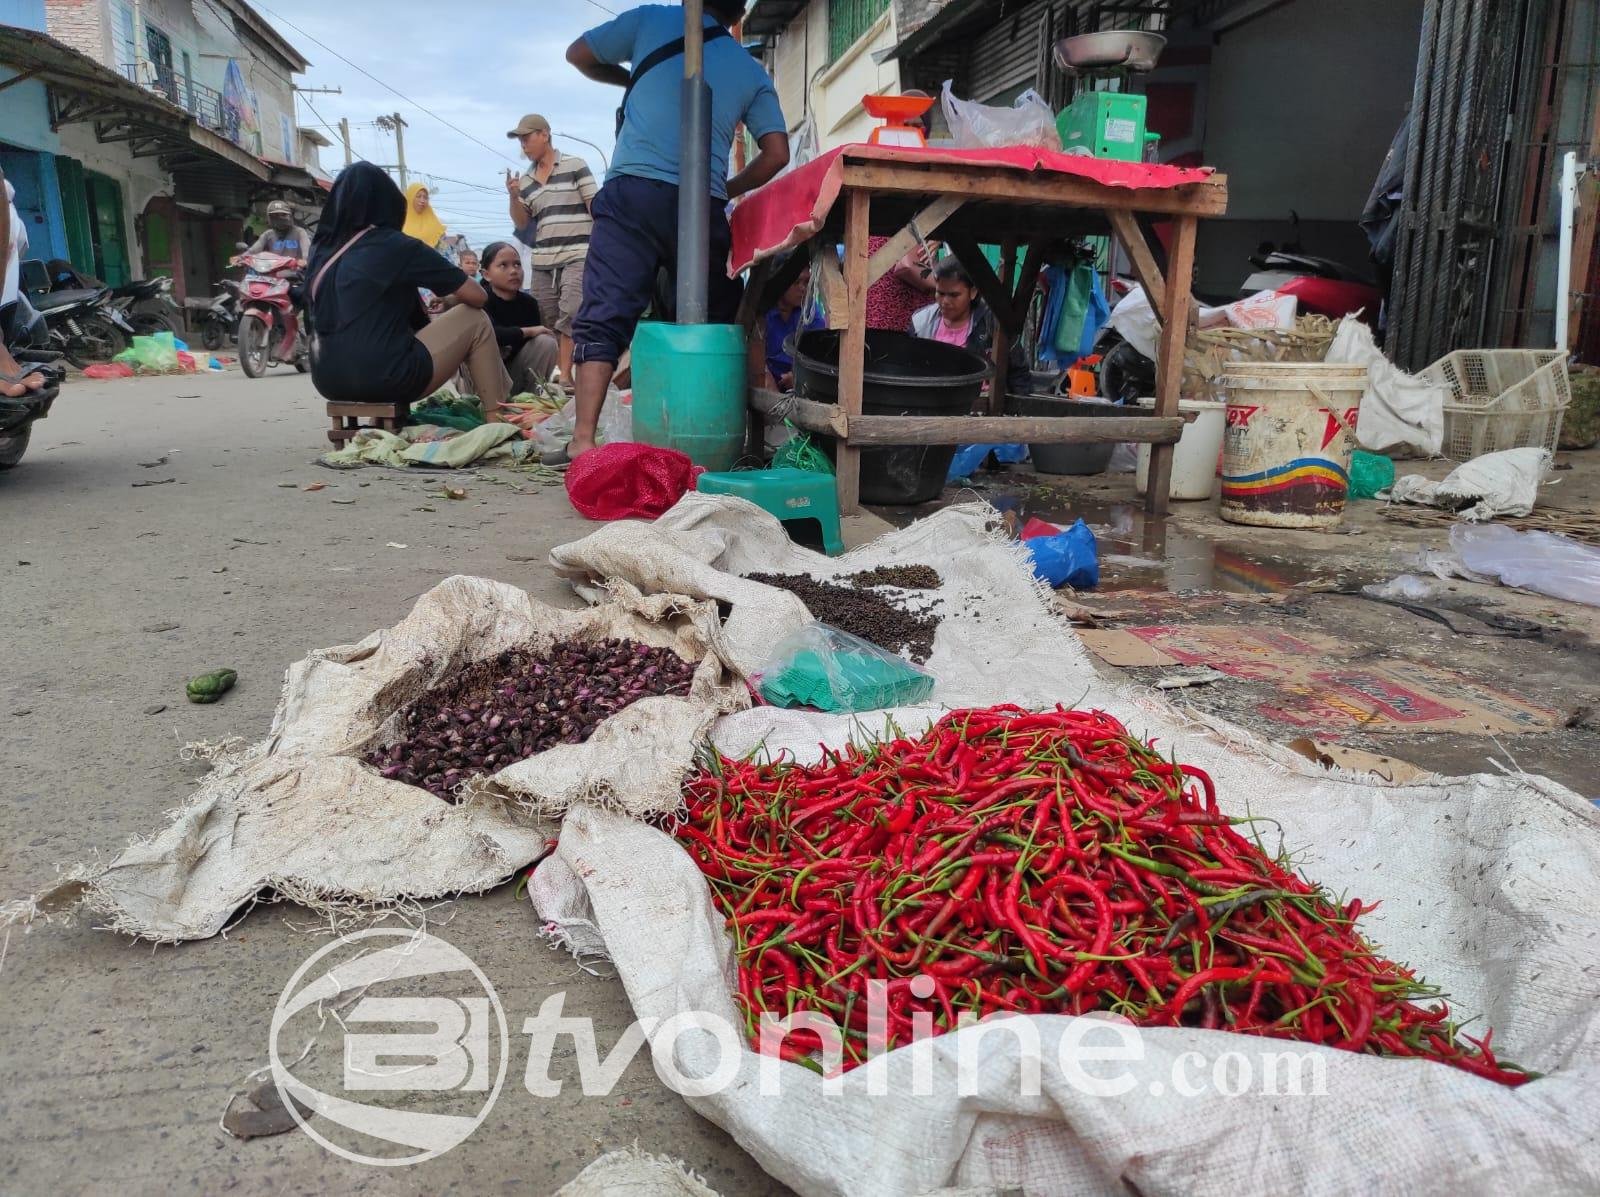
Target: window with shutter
848	20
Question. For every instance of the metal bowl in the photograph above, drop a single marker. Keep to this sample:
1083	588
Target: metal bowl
1121	49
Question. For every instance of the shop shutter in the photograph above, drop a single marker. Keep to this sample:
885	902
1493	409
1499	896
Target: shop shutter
1006	56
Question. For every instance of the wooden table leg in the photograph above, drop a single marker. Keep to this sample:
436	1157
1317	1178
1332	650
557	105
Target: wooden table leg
1169	356
853	345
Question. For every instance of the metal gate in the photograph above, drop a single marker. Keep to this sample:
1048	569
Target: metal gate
1504	87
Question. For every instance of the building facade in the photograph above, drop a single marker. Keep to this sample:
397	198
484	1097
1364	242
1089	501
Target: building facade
1299	103
149	132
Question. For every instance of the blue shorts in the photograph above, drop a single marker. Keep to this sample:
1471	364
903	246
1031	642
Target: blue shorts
635	234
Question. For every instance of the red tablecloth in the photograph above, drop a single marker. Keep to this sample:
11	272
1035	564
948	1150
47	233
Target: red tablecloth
790	209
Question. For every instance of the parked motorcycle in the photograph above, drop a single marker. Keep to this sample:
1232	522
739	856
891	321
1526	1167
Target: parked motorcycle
148	306
1321	286
26	335
269	327
83	325
217	323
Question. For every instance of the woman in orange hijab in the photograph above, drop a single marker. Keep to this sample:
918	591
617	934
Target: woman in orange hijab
421	221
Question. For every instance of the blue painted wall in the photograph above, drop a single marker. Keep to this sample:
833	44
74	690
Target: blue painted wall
30	145
29	14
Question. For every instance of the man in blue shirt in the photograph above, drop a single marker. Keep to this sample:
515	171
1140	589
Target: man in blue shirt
636	212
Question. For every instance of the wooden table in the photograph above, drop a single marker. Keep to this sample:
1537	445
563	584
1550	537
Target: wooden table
909	194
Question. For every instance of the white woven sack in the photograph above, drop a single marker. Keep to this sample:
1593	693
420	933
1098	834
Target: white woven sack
299	814
1486	884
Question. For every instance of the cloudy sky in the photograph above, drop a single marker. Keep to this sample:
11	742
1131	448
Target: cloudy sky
478	64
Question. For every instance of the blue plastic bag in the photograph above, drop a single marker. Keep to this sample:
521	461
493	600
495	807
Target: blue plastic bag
1069	558
969	459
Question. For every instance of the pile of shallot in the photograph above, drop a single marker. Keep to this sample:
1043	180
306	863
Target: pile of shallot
508	707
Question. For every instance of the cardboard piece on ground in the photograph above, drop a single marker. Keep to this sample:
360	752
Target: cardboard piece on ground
1324	690
1123	650
1354	760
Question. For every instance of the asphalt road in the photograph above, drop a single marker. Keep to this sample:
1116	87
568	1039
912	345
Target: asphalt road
182	502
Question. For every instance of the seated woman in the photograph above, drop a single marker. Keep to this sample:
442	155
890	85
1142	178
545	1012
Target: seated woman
783	322
528	348
959	317
376	344
896	297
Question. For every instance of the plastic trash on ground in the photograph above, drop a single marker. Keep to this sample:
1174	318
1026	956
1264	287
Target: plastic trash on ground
1539	561
1370	474
1408	588
820	666
1503	483
1063	558
105	370
969	459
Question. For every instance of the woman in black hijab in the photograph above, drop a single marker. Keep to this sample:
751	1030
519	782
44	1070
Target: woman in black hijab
375	341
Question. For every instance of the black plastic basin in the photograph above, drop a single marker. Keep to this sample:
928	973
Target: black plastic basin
905	376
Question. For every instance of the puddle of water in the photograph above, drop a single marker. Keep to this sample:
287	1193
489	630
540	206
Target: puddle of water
1140	553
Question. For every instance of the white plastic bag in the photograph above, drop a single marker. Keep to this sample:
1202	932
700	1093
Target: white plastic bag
1537	561
1399	410
1029	121
616	422
1503	483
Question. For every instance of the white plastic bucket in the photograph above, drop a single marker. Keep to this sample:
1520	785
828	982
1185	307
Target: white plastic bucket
1291	431
1194	458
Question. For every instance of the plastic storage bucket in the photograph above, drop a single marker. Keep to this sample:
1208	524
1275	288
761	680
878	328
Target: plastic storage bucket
1066	458
1194	457
1291	431
905	376
689	391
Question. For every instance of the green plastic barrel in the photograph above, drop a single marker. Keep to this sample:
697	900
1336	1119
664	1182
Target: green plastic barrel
689	390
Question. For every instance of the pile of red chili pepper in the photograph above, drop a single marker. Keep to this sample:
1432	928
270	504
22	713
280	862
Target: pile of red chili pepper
1040	862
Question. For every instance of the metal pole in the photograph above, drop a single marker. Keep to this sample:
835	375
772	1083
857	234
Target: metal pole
400	145
344	134
694	194
1569	205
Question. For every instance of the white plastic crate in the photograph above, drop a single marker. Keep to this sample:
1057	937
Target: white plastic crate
1501	399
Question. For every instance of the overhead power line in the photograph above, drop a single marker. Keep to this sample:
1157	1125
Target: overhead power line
387	87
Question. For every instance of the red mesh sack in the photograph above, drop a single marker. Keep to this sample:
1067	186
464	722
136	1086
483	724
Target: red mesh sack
625	480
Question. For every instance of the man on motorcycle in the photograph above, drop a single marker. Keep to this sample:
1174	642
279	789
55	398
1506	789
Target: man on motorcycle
283	236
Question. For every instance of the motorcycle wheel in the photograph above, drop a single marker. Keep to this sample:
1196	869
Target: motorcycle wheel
100	341
147	324
306	355
255	339
1126	374
212	336
13	445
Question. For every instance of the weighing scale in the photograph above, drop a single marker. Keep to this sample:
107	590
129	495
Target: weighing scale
895	111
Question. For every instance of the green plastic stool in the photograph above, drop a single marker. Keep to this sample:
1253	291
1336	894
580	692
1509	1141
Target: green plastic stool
789	494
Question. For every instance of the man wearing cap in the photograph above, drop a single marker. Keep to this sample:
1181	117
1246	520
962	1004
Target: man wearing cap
550	211
636	212
283	236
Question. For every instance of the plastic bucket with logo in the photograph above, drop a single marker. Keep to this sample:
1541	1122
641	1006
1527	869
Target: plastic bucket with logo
1194	460
1286	451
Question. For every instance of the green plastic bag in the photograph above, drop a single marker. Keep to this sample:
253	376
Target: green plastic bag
1370	473
151	355
831	670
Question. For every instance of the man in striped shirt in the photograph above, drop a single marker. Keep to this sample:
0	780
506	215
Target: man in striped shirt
550	210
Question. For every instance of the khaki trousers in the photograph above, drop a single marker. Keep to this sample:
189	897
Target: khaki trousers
533	363
463	337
